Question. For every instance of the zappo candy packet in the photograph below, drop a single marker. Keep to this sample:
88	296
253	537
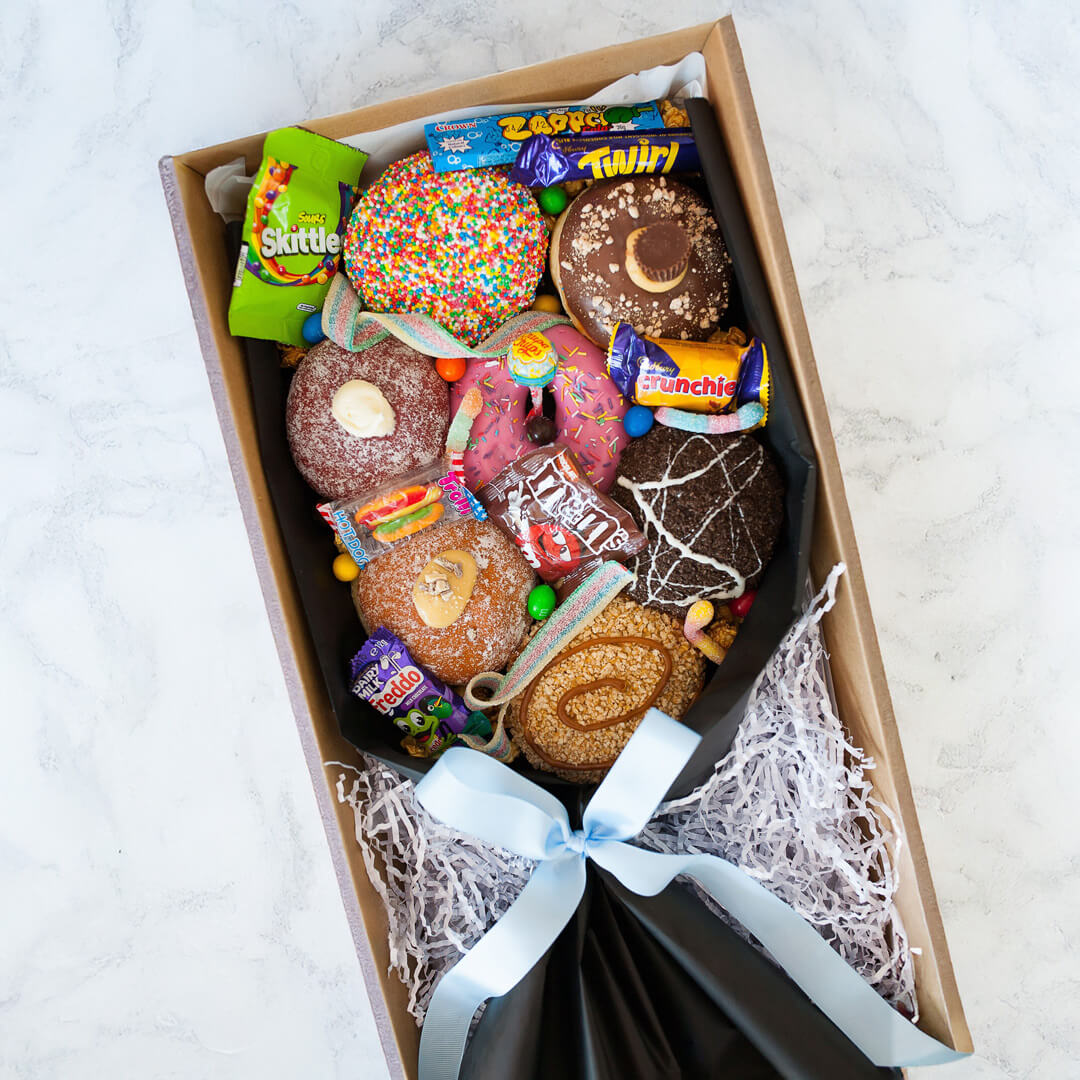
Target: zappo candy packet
294	228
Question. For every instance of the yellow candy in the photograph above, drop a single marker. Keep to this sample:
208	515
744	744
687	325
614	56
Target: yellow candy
345	569
543	302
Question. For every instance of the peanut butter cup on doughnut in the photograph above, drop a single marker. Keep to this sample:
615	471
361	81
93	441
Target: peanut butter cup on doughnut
646	251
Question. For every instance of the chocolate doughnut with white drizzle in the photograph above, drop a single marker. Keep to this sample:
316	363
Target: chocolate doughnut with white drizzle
710	506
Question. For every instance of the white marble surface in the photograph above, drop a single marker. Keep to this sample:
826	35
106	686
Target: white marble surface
167	902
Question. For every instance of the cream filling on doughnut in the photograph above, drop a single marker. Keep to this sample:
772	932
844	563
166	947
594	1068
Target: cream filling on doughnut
361	408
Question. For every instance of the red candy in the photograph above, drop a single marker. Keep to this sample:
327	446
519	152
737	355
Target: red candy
741	605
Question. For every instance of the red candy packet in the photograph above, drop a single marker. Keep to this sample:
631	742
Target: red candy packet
564	527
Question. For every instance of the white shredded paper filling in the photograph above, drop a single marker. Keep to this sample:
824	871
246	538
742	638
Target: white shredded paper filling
790	804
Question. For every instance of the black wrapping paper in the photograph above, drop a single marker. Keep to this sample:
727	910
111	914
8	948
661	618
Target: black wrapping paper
634	988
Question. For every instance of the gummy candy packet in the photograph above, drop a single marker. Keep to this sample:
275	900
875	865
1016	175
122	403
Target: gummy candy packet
294	229
375	521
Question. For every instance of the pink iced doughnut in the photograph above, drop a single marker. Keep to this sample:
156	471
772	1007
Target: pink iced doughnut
588	412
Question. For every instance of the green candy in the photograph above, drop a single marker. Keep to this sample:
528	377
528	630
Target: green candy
552	200
541	601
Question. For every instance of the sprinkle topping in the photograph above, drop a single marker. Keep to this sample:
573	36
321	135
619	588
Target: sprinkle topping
466	248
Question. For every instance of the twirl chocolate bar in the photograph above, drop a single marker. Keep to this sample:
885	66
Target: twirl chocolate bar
595	155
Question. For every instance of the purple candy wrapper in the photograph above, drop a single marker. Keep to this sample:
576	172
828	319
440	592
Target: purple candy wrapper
544	160
385	675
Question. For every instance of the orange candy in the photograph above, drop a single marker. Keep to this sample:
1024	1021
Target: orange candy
451	368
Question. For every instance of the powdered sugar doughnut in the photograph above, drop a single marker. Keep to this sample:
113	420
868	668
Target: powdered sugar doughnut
333	458
588	412
467	248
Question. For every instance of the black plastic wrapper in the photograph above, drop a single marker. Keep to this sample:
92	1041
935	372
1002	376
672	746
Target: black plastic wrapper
634	988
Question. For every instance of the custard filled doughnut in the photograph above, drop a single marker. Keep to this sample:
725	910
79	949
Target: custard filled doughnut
355	420
588	412
579	712
456	594
466	247
646	251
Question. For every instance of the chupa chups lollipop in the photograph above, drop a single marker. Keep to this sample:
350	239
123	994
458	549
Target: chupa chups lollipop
294	230
564	527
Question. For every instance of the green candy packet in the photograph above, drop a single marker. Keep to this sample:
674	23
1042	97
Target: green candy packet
294	229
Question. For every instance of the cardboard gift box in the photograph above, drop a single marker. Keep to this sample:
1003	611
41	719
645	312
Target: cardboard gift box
859	680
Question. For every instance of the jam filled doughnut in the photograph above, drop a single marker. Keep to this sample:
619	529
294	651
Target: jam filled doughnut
646	251
457	595
588	412
579	712
355	420
466	247
711	507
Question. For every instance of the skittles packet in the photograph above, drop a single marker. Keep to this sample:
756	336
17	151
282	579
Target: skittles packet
297	211
696	376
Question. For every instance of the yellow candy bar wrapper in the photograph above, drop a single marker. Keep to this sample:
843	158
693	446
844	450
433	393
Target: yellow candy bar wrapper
697	376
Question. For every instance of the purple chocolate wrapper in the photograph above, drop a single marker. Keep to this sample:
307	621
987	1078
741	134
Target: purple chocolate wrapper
386	676
544	160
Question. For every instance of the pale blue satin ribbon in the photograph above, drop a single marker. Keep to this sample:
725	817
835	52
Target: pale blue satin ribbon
476	794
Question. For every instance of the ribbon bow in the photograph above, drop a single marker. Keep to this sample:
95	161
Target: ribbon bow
478	795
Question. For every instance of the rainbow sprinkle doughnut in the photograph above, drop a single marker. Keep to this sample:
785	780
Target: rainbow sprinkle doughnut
467	248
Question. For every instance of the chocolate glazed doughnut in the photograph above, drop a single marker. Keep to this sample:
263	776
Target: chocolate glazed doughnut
646	251
575	717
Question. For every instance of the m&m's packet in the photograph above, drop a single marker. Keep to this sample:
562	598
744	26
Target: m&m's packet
294	229
562	525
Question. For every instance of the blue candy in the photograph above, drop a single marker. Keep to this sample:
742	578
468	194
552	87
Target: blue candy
312	329
637	421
